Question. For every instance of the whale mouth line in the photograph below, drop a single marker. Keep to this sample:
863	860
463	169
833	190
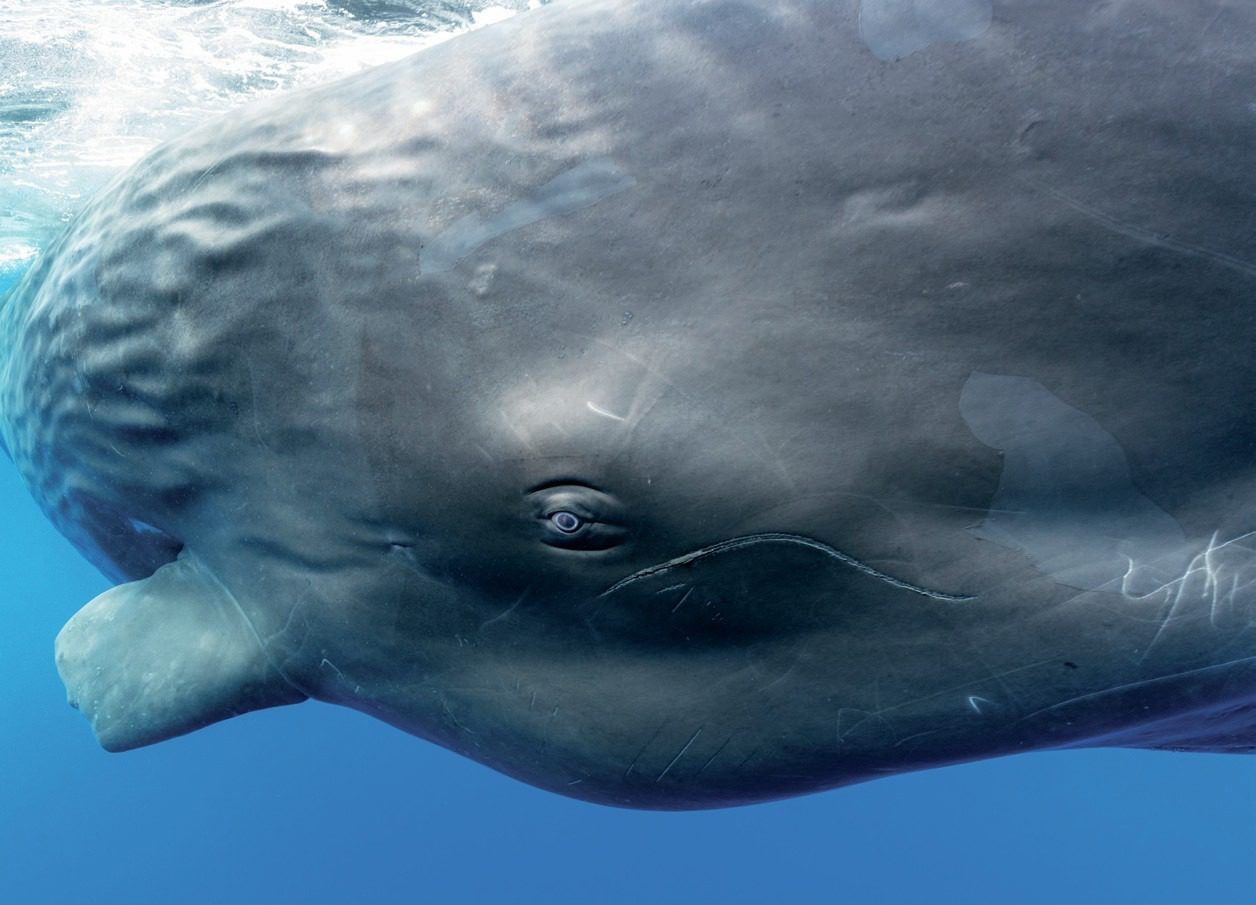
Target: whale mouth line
776	537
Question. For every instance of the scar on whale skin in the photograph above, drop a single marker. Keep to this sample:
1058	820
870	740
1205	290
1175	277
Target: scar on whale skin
894	29
736	543
1066	497
582	186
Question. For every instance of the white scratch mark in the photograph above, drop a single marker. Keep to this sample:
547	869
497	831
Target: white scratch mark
1147	236
864	716
914	737
975	702
286	625
880	713
597	410
1216	576
257	428
641	753
736	543
514	429
669	588
717	753
679	754
1142	683
506	613
195	564
682	600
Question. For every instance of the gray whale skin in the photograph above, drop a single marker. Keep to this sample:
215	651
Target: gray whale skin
680	404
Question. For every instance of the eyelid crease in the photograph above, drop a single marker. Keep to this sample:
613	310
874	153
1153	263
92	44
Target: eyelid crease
554	483
572	506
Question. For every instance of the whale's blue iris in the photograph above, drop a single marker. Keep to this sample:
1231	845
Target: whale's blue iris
566	522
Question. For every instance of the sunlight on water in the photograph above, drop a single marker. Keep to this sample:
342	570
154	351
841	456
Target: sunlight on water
86	88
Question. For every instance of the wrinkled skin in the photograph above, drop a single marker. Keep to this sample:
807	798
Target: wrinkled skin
680	404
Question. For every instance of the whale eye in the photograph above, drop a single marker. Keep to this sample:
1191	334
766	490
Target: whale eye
566	522
576	516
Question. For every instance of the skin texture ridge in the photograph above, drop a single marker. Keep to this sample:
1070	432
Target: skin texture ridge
680	404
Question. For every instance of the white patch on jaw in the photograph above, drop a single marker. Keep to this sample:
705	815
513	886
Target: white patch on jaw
597	410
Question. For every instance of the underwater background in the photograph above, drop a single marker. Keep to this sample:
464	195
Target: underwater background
317	804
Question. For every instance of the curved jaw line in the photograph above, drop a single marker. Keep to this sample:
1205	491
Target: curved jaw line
749	540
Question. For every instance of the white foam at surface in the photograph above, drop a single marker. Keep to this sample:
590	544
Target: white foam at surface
87	88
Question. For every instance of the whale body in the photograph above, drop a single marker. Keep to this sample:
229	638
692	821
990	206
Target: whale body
680	404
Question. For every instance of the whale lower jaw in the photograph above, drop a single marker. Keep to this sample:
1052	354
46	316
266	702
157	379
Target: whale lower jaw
141	677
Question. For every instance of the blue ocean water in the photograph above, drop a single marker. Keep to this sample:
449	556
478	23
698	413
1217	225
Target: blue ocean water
315	804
